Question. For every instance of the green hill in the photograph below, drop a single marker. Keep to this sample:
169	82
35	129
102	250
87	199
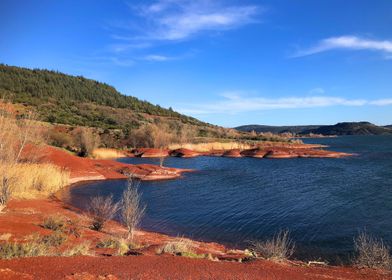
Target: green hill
344	128
351	128
65	99
71	102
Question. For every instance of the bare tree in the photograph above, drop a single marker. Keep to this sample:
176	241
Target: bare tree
88	141
132	210
101	210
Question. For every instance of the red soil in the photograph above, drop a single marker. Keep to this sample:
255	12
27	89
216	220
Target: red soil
270	151
169	267
23	218
234	153
83	169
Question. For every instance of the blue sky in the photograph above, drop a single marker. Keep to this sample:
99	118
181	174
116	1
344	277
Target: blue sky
276	62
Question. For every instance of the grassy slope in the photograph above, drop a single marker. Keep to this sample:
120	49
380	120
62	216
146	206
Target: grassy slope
65	99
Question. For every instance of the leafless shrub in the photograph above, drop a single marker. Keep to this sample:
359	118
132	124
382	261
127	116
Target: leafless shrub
87	141
372	252
279	248
101	210
131	209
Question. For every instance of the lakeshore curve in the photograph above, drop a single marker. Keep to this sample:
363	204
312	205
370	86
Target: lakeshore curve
24	217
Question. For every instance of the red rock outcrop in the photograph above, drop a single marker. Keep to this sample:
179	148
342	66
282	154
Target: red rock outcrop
255	153
184	153
150	152
235	153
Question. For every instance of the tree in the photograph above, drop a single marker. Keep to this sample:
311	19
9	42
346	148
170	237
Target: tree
88	142
132	210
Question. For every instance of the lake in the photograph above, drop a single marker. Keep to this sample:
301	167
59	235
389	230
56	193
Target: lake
324	203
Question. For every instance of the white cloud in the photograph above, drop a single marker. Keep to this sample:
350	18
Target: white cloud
382	102
350	43
233	103
158	58
173	20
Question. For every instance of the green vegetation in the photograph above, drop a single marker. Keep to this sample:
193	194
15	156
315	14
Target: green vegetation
84	114
61	98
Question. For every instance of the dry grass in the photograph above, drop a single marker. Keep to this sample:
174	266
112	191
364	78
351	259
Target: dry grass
81	249
372	252
31	180
34	246
54	222
180	246
206	147
103	153
279	248
122	245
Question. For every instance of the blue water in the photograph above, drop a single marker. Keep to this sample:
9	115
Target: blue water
323	202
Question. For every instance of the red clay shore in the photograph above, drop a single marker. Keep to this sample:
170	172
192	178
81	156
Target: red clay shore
270	152
86	169
25	217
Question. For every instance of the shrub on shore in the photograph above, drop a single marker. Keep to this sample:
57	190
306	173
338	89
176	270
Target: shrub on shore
372	252
54	222
102	209
179	246
279	248
131	209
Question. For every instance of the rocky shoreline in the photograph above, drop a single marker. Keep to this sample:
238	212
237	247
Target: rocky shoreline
269	152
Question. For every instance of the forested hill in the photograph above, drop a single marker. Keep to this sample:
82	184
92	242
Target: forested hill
61	98
351	128
344	128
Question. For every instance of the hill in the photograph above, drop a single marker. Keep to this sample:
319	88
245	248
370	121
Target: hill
344	128
350	128
61	98
72	103
276	129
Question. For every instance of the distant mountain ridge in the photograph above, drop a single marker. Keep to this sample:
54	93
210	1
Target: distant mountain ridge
343	128
276	129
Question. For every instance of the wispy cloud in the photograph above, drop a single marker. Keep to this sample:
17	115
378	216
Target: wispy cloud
233	103
156	57
174	20
349	43
382	102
